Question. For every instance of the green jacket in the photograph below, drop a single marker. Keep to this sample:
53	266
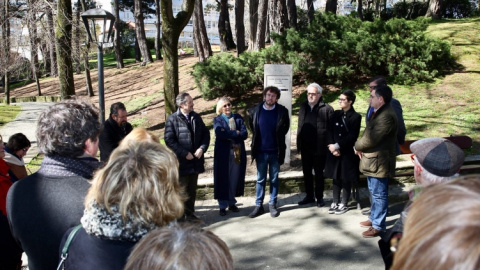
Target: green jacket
378	144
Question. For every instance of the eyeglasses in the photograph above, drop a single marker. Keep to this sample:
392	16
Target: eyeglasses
342	99
227	105
372	87
25	150
312	94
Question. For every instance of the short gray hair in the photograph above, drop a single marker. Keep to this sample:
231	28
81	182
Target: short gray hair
181	98
316	85
429	178
64	128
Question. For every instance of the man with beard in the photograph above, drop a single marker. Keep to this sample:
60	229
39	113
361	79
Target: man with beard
114	130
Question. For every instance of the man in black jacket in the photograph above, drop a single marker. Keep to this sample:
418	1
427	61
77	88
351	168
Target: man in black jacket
313	118
114	130
188	137
269	122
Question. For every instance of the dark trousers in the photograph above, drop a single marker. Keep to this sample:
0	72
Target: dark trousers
189	183
10	252
317	163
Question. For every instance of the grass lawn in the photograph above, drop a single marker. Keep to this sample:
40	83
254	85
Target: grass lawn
8	113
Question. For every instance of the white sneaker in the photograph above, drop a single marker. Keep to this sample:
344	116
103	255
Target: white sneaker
341	209
332	209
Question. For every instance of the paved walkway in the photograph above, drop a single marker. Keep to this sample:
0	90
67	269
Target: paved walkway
26	123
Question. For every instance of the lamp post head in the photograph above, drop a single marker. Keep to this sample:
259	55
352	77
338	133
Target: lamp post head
91	16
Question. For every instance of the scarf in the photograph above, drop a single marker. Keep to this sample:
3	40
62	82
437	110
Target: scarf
56	165
99	222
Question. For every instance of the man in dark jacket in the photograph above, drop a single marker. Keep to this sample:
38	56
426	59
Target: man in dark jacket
313	118
42	206
269	122
114	130
376	149
188	137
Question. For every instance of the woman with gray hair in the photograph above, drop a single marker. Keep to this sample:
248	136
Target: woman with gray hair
230	159
136	192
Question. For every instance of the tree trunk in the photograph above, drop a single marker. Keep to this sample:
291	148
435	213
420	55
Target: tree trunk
200	37
310	11
140	33
277	16
434	9
88	79
6	88
117	40
292	13
262	25
253	12
172	27
51	43
63	36
158	26
138	57
32	33
331	6
239	25
360	9
5	47
76	38
224	29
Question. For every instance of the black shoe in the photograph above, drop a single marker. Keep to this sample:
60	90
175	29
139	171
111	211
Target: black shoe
223	212
273	210
257	211
320	203
341	209
306	200
233	208
366	212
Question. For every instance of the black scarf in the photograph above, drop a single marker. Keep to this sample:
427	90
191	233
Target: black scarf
65	166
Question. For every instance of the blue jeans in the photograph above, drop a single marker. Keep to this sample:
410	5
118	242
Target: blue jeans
378	188
265	161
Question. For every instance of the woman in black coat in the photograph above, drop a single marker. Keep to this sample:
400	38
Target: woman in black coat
342	163
229	160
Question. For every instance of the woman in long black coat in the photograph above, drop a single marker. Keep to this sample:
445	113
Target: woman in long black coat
229	160
342	163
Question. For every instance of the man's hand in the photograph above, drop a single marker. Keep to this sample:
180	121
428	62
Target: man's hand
189	156
199	153
358	153
331	147
336	153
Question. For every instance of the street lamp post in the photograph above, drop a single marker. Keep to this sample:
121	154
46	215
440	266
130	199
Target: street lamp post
91	18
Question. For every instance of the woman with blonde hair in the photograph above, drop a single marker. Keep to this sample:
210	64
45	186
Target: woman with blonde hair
229	159
442	230
137	191
188	247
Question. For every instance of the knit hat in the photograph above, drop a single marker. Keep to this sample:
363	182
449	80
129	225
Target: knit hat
438	156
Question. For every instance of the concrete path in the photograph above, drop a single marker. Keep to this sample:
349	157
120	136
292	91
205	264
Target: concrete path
302	237
26	123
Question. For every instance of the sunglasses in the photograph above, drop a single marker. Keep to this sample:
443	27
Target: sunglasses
227	105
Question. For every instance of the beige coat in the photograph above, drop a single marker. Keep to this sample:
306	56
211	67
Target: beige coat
378	144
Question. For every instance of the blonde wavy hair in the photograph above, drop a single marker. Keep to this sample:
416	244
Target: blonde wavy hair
180	248
140	134
141	179
442	230
222	101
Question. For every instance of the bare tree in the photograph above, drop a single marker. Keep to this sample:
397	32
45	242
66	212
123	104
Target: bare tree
239	25
172	27
277	14
224	29
434	9
5	47
200	37
253	12
158	25
331	6
33	38
262	25
360	9
88	79
51	40
292	13
76	38
117	40
140	33
63	37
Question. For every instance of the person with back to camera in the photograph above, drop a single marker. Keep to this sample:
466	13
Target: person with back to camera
136	192
230	159
342	163
15	149
442	230
435	160
43	205
180	248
